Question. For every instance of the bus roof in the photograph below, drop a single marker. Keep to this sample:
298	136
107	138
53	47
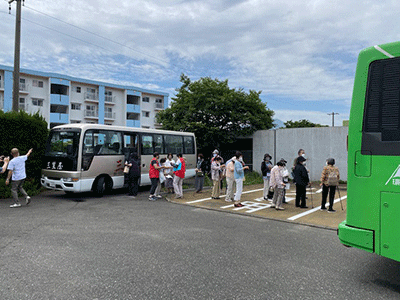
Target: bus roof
85	126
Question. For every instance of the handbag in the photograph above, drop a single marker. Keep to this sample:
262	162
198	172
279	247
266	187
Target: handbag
126	170
199	174
270	193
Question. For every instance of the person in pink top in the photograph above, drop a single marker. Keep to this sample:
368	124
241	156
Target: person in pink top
277	183
230	179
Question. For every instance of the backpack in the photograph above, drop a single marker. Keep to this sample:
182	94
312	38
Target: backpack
333	178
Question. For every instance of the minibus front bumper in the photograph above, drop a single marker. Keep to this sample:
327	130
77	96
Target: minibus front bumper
356	237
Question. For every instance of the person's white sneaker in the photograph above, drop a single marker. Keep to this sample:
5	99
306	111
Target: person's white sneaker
15	205
28	200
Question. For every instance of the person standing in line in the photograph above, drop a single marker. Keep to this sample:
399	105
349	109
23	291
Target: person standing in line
276	182
230	179
16	171
133	174
329	181
169	174
216	171
285	176
302	180
179	171
201	169
302	153
215	155
5	161
266	167
154	174
239	177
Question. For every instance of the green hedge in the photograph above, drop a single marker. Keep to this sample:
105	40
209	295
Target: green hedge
23	131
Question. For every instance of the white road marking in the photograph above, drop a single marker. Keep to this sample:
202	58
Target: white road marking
222	196
313	210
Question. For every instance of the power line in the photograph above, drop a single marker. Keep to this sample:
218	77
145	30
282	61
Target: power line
333	118
98	35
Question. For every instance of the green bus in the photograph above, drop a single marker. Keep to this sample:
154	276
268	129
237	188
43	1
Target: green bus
373	197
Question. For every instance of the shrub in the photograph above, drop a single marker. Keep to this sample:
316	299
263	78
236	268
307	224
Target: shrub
24	131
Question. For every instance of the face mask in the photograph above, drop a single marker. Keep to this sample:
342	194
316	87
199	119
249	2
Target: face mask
241	159
215	154
304	155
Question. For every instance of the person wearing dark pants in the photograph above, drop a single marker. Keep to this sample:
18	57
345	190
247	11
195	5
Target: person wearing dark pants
329	181
154	174
301	180
133	175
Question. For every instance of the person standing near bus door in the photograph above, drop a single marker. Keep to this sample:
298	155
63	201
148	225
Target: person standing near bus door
302	180
133	174
179	171
329	181
154	174
169	174
16	171
5	161
266	167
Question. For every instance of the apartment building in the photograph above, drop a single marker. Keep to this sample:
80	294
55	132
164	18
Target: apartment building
62	99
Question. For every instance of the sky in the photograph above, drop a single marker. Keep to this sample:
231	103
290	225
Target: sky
300	54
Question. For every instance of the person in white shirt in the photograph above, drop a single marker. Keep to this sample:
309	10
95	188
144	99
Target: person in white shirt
16	171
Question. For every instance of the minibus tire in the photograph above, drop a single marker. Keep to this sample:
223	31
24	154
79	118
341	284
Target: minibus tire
100	187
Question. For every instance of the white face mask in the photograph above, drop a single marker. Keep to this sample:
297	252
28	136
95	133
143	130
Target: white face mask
304	155
215	154
241	159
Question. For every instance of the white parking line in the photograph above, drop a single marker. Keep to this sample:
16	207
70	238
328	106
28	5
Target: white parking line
222	196
313	210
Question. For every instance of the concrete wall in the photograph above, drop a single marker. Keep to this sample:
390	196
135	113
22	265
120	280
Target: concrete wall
319	143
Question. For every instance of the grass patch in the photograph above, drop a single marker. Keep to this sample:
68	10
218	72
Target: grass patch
253	178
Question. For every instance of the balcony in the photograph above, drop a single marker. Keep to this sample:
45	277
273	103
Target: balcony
59	99
109	99
91	114
133	123
91	97
109	115
23	88
59	118
158	106
133	108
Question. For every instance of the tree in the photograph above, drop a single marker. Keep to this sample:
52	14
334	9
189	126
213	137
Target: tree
301	123
216	113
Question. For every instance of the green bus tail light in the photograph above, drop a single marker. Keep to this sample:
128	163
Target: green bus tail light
356	237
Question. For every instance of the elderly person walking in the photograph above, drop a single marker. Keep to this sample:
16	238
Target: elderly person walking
16	171
239	177
276	182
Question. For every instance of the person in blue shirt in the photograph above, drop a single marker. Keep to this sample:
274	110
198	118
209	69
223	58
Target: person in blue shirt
239	177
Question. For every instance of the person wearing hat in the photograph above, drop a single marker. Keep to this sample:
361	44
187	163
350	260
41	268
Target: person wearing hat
266	167
329	181
302	180
285	176
215	155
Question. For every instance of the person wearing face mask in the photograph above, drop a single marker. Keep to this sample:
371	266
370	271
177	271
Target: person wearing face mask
276	182
302	153
239	176
201	169
216	176
266	167
302	180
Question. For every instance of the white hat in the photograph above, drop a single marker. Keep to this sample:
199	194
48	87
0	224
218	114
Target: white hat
215	151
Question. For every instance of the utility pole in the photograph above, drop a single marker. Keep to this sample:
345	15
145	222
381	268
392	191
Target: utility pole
333	118
17	47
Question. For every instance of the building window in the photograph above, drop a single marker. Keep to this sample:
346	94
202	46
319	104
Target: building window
22	85
75	106
108	96
146	99
21	103
78	89
108	113
37	102
146	114
37	83
75	121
